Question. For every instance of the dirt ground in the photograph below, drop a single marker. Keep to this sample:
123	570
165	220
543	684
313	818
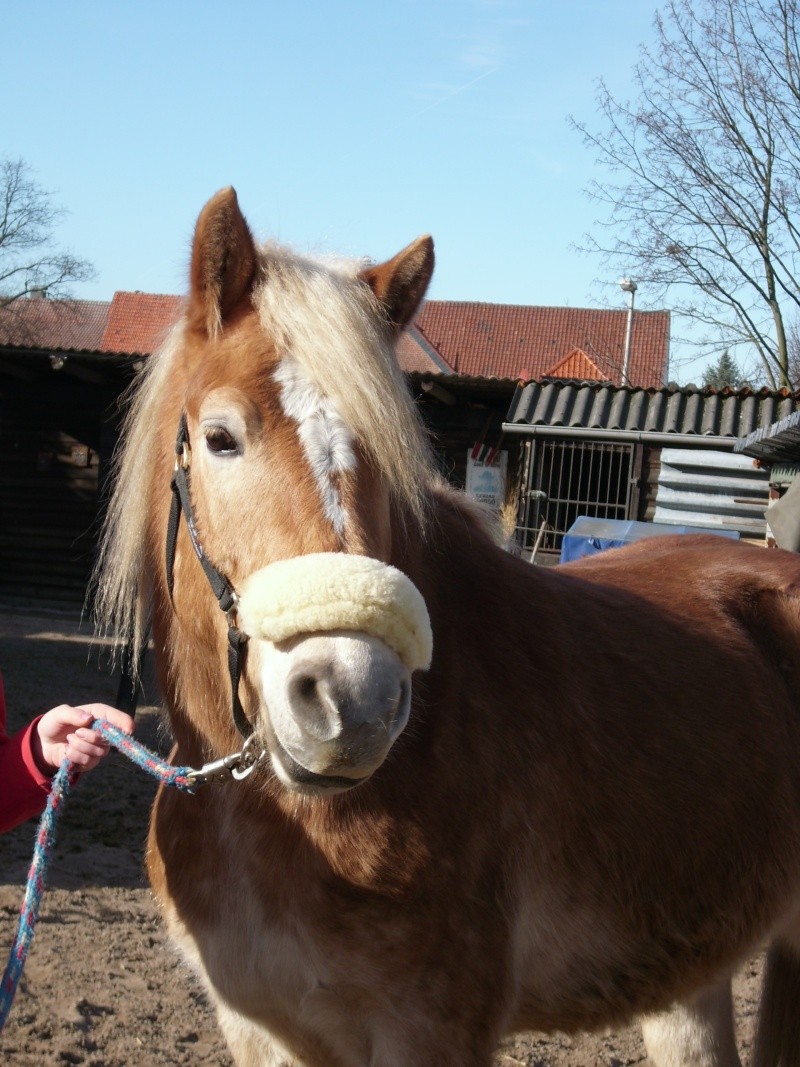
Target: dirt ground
102	987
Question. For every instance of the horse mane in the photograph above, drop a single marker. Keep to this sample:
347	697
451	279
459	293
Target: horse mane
120	583
320	314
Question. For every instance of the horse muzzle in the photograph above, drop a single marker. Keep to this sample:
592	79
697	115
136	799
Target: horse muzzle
334	705
334	639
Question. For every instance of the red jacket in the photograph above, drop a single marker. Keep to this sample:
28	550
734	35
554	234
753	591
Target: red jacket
23	787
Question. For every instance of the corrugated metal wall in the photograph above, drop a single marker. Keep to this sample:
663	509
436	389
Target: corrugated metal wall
699	487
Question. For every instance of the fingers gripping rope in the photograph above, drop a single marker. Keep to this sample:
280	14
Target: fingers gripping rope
144	758
63	781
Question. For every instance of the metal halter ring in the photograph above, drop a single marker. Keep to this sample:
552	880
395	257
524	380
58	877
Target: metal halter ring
184	457
249	758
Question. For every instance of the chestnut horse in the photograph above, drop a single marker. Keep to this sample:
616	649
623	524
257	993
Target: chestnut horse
593	811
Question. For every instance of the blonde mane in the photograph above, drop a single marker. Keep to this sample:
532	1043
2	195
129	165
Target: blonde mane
321	315
121	586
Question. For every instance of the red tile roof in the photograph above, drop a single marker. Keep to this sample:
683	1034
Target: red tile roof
576	366
139	322
54	325
415	354
470	339
513	341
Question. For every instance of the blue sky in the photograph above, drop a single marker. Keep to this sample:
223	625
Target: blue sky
344	126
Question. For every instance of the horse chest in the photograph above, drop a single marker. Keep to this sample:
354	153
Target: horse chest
271	941
280	967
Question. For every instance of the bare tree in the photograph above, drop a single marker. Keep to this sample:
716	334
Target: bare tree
793	343
705	163
29	260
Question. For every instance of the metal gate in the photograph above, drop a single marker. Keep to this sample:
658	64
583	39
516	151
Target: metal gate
563	479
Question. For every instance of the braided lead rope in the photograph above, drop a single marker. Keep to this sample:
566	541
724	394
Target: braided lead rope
65	778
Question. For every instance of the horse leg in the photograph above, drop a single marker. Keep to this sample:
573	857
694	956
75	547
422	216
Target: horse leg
699	1033
249	1045
777	1041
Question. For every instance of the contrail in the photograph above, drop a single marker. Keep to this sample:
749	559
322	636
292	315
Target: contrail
442	99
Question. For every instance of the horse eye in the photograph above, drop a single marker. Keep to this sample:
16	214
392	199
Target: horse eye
220	442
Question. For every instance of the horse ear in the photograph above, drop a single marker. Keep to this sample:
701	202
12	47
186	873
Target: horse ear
401	282
223	263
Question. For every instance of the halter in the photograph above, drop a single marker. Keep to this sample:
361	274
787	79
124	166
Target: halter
220	585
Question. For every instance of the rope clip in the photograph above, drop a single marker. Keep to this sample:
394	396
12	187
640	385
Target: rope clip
237	765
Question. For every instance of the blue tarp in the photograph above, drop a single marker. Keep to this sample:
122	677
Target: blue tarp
587	536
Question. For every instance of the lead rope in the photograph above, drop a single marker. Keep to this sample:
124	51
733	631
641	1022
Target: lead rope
238	765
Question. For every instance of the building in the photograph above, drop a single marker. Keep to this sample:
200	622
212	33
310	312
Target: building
528	342
657	455
65	365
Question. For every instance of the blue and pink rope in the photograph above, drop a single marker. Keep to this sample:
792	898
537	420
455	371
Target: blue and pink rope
63	781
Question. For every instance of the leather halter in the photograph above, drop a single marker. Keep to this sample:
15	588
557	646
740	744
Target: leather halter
220	585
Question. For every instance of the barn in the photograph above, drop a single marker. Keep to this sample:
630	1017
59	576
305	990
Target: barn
65	367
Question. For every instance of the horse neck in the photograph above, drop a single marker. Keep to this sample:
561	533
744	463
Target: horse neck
474	589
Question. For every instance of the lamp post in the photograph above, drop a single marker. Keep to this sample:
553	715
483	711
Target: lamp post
627	285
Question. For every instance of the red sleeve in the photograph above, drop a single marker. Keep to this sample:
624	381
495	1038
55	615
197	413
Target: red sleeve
23	787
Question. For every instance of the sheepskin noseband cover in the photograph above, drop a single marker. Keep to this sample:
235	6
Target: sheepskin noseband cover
337	591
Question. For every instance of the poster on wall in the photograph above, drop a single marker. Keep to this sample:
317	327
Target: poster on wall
487	481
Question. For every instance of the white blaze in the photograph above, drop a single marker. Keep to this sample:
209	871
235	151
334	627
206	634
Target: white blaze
326	439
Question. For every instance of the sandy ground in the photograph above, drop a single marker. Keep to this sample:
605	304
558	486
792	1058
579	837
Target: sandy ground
102	987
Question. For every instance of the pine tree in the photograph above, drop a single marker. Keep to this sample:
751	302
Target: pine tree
725	373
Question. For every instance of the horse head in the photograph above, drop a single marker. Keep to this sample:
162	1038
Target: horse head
303	448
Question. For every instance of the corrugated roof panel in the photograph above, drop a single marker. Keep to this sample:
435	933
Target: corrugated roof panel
656	406
681	411
581	407
618	409
783	473
584	406
778	410
562	407
674	421
746	411
595	415
637	412
710	417
691	414
778	441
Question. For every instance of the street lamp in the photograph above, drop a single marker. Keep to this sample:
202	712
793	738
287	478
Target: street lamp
627	285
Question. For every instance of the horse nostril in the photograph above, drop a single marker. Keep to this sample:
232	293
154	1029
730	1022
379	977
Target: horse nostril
306	687
313	704
356	703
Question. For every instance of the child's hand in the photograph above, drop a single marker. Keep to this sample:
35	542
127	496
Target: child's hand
64	732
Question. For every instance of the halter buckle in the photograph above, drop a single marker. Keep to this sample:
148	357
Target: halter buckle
183	459
232	612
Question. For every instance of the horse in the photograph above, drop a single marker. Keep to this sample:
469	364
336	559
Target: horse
585	811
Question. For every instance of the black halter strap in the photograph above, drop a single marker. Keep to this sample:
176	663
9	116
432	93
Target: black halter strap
221	587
